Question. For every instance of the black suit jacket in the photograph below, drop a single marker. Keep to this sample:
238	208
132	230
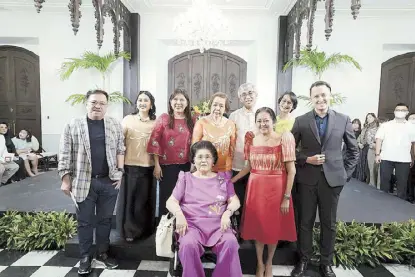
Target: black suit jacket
307	139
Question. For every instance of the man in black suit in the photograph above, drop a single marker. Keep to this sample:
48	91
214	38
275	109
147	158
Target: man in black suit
321	174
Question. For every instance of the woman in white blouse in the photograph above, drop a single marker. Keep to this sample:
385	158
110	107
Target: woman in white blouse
24	148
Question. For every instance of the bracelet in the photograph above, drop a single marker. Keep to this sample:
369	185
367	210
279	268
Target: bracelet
230	210
287	196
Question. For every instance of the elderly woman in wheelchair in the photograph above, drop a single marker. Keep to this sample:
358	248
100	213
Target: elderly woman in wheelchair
203	202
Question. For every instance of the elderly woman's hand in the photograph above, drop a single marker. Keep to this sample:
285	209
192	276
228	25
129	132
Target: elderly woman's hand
225	221
181	224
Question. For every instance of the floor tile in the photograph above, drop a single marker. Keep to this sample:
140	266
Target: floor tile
96	272
35	258
8	257
340	272
51	271
61	260
128	265
400	270
379	271
278	270
145	273
19	271
94	264
118	273
154	266
209	265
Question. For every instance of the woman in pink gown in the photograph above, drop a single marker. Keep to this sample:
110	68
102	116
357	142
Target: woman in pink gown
268	213
203	202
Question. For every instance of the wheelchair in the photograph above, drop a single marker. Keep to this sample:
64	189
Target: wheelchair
175	268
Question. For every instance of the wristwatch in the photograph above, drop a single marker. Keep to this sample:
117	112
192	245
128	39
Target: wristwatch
287	196
121	169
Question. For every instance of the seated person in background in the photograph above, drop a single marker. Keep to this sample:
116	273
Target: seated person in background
203	202
7	167
24	148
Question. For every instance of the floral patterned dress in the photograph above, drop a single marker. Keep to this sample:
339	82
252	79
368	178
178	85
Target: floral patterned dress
173	148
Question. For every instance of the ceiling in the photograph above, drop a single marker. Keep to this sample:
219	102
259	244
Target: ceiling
275	7
254	6
155	6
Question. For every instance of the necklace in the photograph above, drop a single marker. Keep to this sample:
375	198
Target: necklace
143	119
217	124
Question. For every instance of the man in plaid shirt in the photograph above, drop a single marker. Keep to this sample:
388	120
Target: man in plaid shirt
91	162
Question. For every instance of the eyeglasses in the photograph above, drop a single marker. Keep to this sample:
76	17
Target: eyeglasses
95	103
250	94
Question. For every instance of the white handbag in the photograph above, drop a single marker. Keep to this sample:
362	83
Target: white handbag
164	237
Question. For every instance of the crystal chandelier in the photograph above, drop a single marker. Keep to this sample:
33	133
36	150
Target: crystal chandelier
201	26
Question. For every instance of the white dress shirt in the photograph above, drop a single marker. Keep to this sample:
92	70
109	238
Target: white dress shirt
245	122
397	138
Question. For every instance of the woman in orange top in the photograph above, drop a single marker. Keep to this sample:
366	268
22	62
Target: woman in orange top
219	130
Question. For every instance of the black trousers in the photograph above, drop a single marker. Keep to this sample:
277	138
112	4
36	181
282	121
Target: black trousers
240	190
411	184
325	199
102	197
136	203
401	172
168	182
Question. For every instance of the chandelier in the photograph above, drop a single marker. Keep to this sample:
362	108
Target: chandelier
201	26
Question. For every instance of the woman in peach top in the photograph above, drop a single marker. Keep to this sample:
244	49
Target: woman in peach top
136	201
219	130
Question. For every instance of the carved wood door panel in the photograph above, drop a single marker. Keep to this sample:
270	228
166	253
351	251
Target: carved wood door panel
397	84
20	90
203	74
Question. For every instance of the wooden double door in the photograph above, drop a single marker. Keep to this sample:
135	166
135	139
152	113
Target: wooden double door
20	90
397	84
203	74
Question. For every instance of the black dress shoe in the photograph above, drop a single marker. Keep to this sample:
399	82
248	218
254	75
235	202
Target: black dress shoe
85	266
108	262
326	271
299	269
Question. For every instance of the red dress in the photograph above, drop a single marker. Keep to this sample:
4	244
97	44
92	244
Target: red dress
262	219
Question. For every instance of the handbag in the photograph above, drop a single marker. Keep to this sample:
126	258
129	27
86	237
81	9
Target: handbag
164	237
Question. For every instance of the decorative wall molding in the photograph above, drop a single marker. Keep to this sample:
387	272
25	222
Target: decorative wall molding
114	9
305	10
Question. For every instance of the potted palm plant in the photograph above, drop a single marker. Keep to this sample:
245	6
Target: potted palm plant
103	64
319	62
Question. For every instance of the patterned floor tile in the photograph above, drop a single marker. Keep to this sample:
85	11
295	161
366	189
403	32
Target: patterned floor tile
61	260
118	273
35	258
19	271
96	272
154	266
401	270
51	271
8	257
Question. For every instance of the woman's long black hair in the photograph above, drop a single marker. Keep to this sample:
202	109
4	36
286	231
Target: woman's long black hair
152	111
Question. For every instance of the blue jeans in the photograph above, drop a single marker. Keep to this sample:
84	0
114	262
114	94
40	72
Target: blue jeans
102	196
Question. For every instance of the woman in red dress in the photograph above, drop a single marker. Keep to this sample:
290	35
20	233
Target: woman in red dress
268	214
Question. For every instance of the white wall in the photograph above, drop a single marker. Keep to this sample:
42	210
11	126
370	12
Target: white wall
253	38
371	41
56	41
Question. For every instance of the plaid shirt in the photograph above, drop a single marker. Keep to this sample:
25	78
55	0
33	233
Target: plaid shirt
75	153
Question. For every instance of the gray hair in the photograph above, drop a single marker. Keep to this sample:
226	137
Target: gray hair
246	88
